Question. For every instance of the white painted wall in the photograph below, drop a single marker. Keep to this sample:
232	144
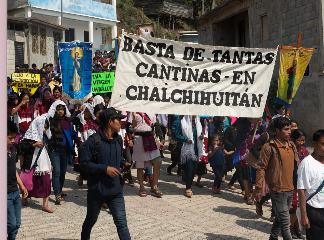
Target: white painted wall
80	27
97	36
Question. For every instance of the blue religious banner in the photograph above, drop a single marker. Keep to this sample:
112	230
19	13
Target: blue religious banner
76	68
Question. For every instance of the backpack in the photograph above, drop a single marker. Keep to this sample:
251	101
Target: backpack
83	169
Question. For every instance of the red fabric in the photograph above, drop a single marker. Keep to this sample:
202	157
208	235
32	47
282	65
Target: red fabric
25	112
89	125
27	178
294	203
42	107
302	153
146	118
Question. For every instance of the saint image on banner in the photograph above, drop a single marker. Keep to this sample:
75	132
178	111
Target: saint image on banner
76	69
77	54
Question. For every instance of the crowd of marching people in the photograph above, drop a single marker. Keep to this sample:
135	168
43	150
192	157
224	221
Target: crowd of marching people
49	133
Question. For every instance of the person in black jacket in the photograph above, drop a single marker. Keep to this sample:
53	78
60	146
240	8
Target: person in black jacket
101	155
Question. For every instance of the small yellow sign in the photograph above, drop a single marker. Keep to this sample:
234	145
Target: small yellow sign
22	81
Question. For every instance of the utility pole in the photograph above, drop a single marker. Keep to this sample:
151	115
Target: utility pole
61	12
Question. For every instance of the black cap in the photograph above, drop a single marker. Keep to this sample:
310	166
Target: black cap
108	114
115	114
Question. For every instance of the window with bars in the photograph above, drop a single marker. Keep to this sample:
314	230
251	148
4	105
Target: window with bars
34	33
42	42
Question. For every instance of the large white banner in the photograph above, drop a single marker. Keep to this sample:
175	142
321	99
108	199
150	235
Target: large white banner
168	77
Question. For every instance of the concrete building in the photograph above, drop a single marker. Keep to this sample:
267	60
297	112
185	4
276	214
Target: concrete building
83	20
262	23
31	41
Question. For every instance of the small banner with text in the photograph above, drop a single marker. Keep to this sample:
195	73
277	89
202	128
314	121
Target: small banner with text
25	81
102	82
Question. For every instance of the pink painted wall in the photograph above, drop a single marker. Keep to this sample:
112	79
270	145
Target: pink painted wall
3	114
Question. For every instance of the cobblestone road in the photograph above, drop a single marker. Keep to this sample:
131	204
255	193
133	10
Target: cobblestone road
204	216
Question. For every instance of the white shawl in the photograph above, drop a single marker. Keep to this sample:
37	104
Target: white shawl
188	150
35	132
98	100
52	110
85	135
91	110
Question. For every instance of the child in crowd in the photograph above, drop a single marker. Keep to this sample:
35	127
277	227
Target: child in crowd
217	161
13	179
24	113
298	137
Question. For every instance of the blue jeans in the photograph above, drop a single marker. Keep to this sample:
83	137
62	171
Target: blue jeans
59	161
218	174
116	205
13	214
281	202
189	171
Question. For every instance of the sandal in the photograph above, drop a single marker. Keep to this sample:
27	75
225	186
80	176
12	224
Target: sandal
142	193
156	192
249	201
258	209
188	193
58	200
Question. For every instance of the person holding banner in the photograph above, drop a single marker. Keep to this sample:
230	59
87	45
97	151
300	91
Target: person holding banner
189	131
145	150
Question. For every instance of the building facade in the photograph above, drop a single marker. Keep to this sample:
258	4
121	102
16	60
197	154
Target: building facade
48	22
31	41
267	24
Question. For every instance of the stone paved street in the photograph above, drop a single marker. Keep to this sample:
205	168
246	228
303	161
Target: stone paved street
205	216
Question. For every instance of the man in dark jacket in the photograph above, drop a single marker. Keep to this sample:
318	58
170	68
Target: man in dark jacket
101	156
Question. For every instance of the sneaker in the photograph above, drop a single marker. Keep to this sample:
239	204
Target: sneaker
293	235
